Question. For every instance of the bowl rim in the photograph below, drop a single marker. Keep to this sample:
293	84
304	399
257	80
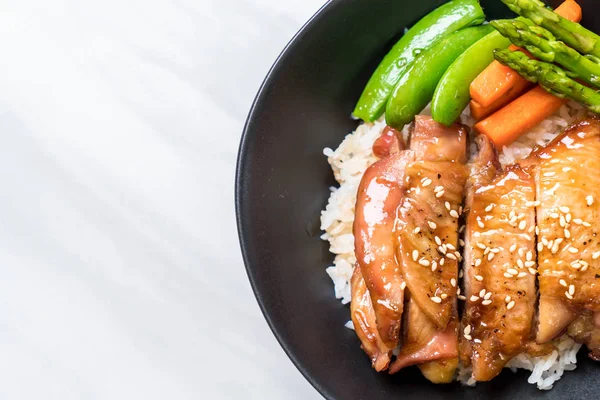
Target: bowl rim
240	176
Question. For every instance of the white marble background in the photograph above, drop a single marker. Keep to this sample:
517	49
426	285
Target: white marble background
121	271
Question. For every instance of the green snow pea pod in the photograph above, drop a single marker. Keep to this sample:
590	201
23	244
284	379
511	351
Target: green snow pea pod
439	23
452	93
417	85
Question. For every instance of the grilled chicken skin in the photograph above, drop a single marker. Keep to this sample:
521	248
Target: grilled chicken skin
500	264
365	325
379	195
427	247
567	216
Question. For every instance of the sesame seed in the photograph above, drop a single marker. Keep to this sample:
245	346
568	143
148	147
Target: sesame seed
403	286
522	274
460	210
578	221
511	214
442	261
513	247
482	293
589	200
529	263
571	290
510	305
564	209
438	240
489	208
491	256
520	264
474	298
481	246
450	246
545	241
522	225
512	271
467	329
584	268
453	282
432	224
477	340
596	255
575	265
537	230
438	188
568	217
451	256
549	174
461	297
487	296
426	182
532	271
540	246
433	266
507	299
567	233
447	205
569	295
468	337
442	249
479	278
436	299
439	194
507	275
562	222
486	302
461	242
461	229
480	224
443	296
478	262
454	214
554	215
424	262
586	224
529	256
415	255
554	249
573	250
417	230
521	252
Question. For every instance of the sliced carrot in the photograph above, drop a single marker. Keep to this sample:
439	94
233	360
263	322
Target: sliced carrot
498	85
479	112
506	125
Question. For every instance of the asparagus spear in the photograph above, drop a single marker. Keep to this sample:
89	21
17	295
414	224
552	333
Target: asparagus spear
572	33
542	44
550	77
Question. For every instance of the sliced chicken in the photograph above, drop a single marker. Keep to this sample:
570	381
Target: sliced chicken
363	318
428	248
379	195
567	217
586	329
500	264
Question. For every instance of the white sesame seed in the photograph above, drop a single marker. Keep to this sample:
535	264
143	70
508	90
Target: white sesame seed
495	250
439	194
424	262
417	230
540	246
596	255
443	296
432	224
568	217
589	200
450	246
564	209
489	208
480	224
522	225
415	255
478	262
453	282
529	264
491	256
438	188
474	298
554	249
454	214
507	275
520	264
468	337
507	299
569	295
584	268
562	222
487	296
549	174
573	250
436	299
442	249
578	221
447	205
433	266
479	278
403	286
482	293
481	246
451	256
426	182
510	305
486	302
554	215
532	271
586	224
522	274
513	248
567	233
571	290
461	242
512	271
529	256
537	230
461	297
438	240
477	340
467	329
521	252
442	261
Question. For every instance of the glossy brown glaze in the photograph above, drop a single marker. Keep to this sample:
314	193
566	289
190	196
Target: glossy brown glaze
428	248
379	195
390	142
569	195
365	325
500	265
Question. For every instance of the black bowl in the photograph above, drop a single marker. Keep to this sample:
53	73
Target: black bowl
282	184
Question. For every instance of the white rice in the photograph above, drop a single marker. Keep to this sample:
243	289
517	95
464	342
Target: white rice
349	162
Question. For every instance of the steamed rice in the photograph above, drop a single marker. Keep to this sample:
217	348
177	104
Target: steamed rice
349	162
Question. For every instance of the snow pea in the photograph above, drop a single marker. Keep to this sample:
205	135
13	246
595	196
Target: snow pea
439	23
452	93
417	85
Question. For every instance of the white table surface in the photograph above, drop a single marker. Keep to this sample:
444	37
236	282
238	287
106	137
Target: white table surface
122	275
